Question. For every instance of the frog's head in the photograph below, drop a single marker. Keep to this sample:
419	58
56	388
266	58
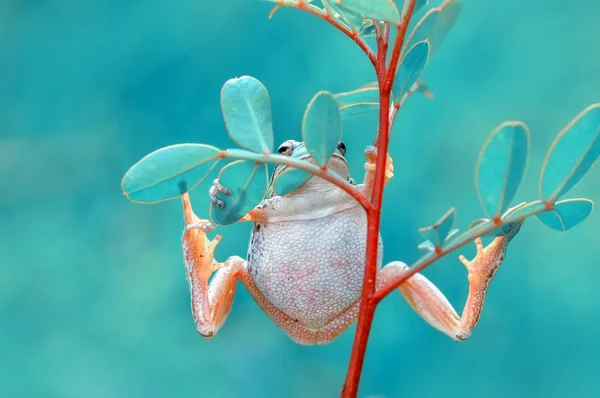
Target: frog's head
298	150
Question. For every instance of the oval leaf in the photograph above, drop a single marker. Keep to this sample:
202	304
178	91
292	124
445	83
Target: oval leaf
358	102
248	182
382	10
350	111
322	127
247	112
365	94
410	69
439	232
367	29
290	180
418	5
566	214
572	154
353	19
169	172
501	166
435	25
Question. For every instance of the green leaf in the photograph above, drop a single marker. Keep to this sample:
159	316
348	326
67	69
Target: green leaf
382	10
169	172
439	232
322	127
366	94
418	5
566	214
572	154
350	111
247	181
435	25
410	69
429	246
353	19
367	29
356	102
247	112
290	180
501	166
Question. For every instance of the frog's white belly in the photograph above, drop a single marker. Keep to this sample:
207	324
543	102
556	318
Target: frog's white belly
312	270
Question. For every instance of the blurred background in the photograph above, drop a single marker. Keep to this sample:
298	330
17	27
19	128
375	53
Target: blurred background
93	296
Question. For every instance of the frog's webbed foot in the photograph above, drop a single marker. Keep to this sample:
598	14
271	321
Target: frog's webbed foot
371	166
218	188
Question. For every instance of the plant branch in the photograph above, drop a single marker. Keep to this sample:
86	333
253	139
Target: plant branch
458	242
318	171
367	310
326	16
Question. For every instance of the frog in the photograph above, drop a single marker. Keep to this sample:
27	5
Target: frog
306	258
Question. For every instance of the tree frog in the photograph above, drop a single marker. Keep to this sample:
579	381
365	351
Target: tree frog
306	259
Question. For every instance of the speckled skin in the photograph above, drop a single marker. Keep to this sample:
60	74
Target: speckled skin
311	270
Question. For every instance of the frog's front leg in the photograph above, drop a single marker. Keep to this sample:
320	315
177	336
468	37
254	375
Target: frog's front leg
212	302
370	166
427	300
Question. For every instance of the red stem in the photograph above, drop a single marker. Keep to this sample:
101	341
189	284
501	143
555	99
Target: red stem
367	310
368	305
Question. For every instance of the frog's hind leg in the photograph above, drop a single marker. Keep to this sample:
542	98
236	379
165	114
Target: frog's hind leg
429	302
292	327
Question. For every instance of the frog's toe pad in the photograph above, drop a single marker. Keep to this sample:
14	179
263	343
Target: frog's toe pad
218	188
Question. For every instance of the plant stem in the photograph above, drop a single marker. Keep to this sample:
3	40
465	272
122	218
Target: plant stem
242	154
457	243
367	310
385	76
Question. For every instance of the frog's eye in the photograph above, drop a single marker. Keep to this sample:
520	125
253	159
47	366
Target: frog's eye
286	148
342	148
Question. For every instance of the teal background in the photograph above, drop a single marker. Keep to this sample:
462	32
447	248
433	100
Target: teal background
93	296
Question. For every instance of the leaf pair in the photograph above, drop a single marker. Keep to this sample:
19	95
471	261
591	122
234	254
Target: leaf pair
424	39
321	133
502	161
366	99
171	171
439	233
247	113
